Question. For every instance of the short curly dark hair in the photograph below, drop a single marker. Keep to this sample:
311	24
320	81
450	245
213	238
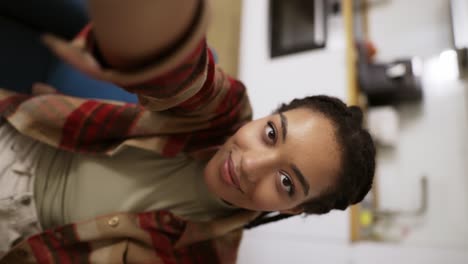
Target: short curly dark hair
358	152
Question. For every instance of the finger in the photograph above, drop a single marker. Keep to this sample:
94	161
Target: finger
42	88
73	55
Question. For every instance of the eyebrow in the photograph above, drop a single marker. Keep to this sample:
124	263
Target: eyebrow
302	180
284	125
299	175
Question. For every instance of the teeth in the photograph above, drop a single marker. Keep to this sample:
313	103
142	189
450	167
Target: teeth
233	175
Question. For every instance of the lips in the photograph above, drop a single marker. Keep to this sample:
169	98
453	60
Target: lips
232	172
229	174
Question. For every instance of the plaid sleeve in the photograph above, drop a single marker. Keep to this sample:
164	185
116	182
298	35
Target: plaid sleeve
171	77
189	105
186	83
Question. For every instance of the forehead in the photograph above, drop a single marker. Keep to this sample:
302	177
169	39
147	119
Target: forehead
311	145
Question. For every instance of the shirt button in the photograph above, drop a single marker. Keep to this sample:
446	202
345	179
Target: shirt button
113	222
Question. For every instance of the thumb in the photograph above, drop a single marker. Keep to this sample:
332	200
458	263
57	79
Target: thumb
74	55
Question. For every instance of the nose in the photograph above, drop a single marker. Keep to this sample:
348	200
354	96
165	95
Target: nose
258	164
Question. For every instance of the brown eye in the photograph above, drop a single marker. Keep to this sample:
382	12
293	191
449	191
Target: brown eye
270	132
286	184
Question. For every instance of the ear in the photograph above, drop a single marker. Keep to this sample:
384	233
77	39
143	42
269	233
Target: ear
293	211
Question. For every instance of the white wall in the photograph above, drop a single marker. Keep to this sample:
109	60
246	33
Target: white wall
402	28
373	253
433	135
433	139
272	81
432	143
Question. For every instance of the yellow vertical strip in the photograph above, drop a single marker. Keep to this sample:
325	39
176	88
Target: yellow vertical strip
352	92
348	15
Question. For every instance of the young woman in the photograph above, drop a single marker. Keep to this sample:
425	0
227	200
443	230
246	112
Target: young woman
176	177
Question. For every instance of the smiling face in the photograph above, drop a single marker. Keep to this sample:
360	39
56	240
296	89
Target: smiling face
276	163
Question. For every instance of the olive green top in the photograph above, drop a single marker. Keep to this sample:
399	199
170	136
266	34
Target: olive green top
73	187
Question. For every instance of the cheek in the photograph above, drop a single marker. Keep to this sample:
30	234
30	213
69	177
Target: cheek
266	197
247	136
211	172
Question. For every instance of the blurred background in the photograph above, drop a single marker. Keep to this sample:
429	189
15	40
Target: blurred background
404	62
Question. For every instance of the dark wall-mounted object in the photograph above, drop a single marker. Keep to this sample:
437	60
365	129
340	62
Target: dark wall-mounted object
297	25
390	83
459	19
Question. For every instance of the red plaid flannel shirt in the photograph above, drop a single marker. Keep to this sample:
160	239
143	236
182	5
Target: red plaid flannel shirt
187	104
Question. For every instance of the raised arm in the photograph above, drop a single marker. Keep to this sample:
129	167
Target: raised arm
157	50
